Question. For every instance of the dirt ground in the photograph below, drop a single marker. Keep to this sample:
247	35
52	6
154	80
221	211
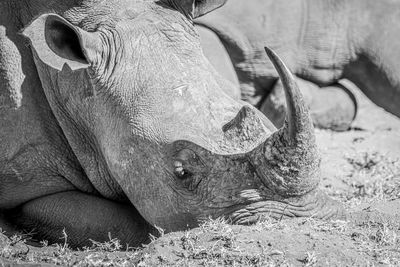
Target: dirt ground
360	168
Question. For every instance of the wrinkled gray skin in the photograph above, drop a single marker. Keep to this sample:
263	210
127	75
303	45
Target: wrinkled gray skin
113	121
321	41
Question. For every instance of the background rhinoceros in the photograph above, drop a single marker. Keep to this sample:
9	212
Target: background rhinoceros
321	41
113	121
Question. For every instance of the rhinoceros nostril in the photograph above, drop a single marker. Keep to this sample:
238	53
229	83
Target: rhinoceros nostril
244	115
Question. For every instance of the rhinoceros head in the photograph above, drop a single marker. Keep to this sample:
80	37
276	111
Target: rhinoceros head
146	116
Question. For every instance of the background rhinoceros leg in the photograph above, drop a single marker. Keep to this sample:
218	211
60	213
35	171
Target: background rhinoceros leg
333	107
83	217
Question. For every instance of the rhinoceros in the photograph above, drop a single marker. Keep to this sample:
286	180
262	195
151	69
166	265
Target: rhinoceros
321	41
113	121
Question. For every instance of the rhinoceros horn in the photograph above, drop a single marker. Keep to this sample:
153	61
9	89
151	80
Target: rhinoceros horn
288	162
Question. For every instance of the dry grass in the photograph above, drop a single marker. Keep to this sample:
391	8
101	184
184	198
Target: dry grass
99	254
217	243
381	241
373	177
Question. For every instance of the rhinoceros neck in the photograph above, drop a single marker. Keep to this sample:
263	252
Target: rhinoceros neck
377	56
72	116
33	148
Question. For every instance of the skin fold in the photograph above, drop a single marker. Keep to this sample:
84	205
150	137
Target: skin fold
322	42
114	122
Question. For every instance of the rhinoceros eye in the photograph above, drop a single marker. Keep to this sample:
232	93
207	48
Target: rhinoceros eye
185	162
179	170
189	169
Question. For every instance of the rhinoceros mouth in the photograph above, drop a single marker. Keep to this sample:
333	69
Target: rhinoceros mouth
316	204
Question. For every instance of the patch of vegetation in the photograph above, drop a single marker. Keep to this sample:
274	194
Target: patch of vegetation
310	259
217	243
13	247
107	253
214	243
381	241
374	177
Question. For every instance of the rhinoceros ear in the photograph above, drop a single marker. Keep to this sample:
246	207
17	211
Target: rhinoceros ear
198	8
58	42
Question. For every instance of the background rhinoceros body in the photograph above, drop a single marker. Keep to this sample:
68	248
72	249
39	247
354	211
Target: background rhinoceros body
321	41
113	121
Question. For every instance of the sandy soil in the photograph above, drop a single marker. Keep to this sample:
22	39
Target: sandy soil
360	168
